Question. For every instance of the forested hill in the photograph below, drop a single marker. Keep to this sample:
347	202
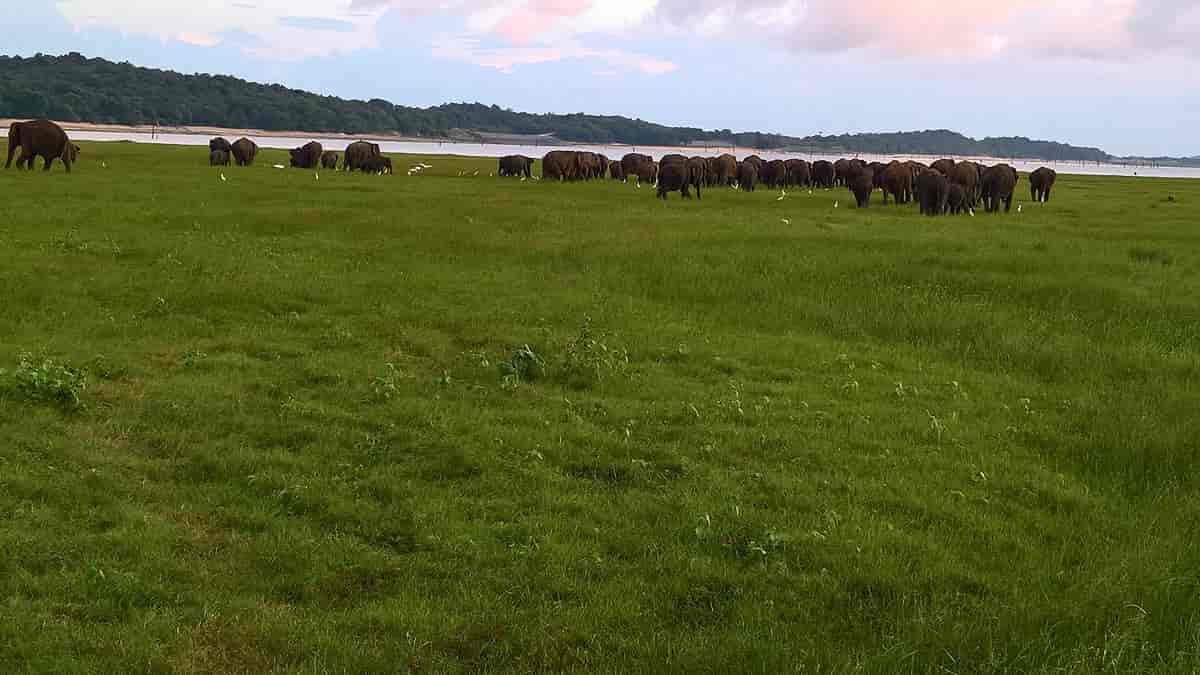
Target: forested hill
78	89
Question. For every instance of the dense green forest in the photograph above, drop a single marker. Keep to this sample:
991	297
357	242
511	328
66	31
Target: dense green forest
78	89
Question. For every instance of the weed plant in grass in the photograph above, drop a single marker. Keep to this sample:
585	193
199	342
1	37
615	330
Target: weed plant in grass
442	423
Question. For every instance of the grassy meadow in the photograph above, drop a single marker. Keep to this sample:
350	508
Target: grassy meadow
282	424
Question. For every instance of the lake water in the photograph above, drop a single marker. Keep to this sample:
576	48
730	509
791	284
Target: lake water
612	151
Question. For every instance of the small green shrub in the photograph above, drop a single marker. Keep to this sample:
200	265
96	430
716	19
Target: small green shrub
590	357
523	366
385	387
44	380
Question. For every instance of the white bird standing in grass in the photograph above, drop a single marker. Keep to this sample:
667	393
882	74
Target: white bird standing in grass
785	221
782	194
972	212
835	204
316	176
1018	208
476	172
222	177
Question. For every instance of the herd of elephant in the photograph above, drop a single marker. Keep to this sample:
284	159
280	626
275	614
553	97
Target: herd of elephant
943	187
359	156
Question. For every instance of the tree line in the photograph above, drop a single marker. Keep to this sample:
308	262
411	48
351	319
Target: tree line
74	88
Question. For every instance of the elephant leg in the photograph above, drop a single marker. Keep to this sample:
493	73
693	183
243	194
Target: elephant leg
47	161
1046	195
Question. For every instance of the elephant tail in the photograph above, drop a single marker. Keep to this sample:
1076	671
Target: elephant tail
66	153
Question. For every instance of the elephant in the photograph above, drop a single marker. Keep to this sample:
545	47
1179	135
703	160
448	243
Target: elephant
877	170
40	138
244	151
748	176
756	161
631	162
357	154
697	173
862	185
839	171
329	160
966	175
588	165
603	164
823	173
773	174
798	173
616	171
850	171
1040	183
710	171
219	143
647	172
560	165
218	158
898	182
956	199
378	165
933	191
672	177
516	165
668	159
915	169
996	185
945	166
726	172
307	156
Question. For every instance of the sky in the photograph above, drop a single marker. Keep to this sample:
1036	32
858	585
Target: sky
1122	75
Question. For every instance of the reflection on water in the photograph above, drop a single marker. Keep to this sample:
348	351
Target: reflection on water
613	152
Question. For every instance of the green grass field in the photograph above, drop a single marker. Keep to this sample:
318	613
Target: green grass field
436	424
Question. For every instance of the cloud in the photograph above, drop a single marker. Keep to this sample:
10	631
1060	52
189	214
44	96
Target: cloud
504	59
277	29
317	23
1109	30
506	34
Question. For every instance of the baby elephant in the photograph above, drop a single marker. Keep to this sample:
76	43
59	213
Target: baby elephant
956	199
329	160
862	186
673	177
218	158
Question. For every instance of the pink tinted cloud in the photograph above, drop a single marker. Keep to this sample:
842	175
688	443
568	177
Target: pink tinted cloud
530	21
1111	30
